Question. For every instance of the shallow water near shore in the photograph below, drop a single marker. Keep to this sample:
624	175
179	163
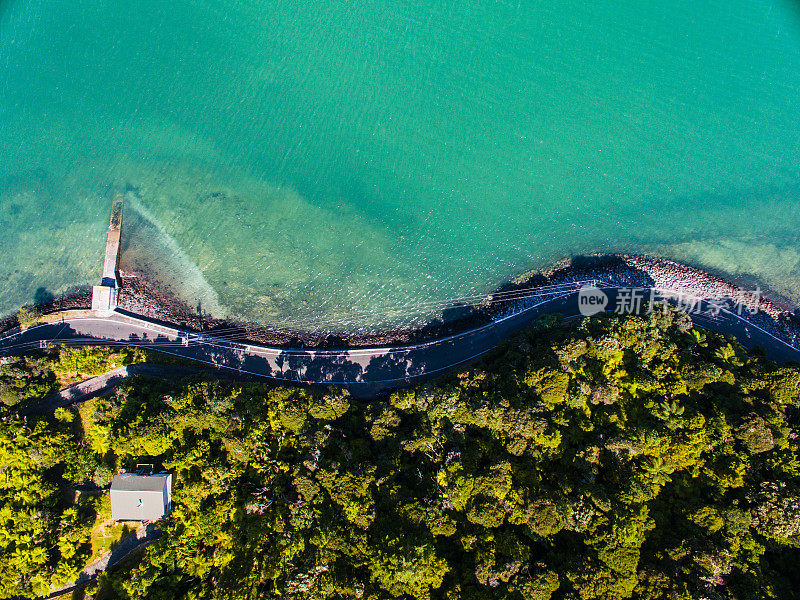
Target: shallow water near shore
356	166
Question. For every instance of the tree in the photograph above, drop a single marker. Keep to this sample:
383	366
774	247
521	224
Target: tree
406	567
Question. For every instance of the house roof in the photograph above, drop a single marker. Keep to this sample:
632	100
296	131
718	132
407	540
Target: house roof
131	482
140	497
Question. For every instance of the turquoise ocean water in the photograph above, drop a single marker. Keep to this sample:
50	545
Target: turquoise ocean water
343	165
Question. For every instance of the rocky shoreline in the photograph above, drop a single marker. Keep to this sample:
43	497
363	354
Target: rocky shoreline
143	297
768	312
77	299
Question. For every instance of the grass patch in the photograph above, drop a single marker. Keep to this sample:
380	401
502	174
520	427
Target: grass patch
76	364
86	414
73	365
106	534
160	358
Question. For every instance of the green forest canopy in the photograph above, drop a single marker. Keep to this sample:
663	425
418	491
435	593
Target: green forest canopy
617	457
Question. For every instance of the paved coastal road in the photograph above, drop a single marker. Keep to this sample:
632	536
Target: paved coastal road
365	371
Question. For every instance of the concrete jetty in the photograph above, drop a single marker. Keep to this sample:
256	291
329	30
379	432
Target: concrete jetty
105	295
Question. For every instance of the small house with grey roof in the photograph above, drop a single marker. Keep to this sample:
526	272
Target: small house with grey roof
136	497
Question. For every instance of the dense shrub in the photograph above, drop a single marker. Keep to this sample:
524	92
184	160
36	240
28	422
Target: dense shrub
630	457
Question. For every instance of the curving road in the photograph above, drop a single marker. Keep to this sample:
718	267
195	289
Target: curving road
364	371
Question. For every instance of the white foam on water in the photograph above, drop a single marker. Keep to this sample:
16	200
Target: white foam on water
300	168
170	265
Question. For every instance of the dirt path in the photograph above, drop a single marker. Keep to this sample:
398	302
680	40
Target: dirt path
96	386
141	537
